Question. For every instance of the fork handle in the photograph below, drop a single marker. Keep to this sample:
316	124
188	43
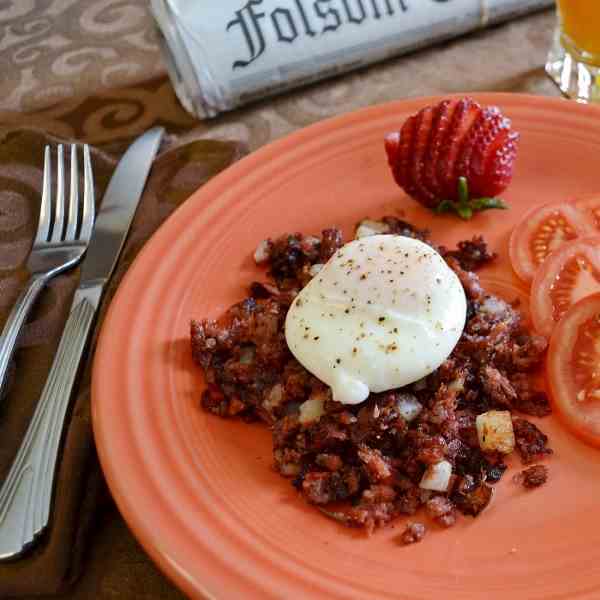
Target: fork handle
15	321
26	495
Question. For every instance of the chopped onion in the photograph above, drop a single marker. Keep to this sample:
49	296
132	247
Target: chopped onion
493	305
311	410
437	477
409	407
274	397
262	252
368	227
311	240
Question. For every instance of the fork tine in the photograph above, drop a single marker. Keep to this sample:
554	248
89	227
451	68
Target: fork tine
59	209
89	207
45	206
71	231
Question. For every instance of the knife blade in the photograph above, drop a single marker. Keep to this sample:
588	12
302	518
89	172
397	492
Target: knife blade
26	494
118	207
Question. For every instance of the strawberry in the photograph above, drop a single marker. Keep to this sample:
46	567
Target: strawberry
455	156
441	124
423	128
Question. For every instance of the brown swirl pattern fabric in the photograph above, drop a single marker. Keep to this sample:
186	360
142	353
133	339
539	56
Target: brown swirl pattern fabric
52	50
90	70
180	169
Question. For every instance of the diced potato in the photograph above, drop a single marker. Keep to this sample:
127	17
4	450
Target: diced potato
495	431
437	477
368	227
311	410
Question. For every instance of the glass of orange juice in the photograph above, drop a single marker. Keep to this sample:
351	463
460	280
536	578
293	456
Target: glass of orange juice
574	59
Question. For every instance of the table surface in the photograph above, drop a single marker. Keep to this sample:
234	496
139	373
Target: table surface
507	58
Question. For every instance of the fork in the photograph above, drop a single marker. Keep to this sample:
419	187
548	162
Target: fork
60	242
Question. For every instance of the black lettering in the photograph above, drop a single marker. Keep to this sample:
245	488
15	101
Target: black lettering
404	6
291	26
307	28
376	10
324	14
255	40
352	18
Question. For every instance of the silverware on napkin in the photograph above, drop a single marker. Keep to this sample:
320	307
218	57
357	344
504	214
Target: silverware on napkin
26	495
62	237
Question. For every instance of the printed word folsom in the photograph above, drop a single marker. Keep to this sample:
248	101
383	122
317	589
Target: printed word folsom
304	18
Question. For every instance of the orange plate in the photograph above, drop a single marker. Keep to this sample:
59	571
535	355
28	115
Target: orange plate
199	492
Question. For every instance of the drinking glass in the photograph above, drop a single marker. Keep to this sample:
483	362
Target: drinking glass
574	59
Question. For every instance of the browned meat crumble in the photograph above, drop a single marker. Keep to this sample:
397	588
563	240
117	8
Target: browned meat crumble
362	465
532	477
413	533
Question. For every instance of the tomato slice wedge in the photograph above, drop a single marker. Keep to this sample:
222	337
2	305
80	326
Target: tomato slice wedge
573	369
589	207
542	231
569	274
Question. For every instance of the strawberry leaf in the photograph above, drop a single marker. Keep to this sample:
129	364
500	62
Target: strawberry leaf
464	211
487	203
465	207
444	206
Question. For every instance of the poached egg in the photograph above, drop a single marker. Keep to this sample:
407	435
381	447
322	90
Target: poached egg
383	312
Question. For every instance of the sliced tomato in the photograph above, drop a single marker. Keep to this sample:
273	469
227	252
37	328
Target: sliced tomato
569	274
589	207
542	231
573	369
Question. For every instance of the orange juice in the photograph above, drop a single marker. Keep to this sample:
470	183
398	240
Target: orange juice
581	28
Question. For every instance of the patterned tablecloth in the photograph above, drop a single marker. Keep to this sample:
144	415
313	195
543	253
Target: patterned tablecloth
91	70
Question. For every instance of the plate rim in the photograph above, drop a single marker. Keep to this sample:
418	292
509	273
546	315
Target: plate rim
141	531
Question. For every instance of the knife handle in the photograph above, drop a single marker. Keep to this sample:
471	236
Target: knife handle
26	495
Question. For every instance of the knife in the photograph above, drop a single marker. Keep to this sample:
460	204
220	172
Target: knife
26	495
